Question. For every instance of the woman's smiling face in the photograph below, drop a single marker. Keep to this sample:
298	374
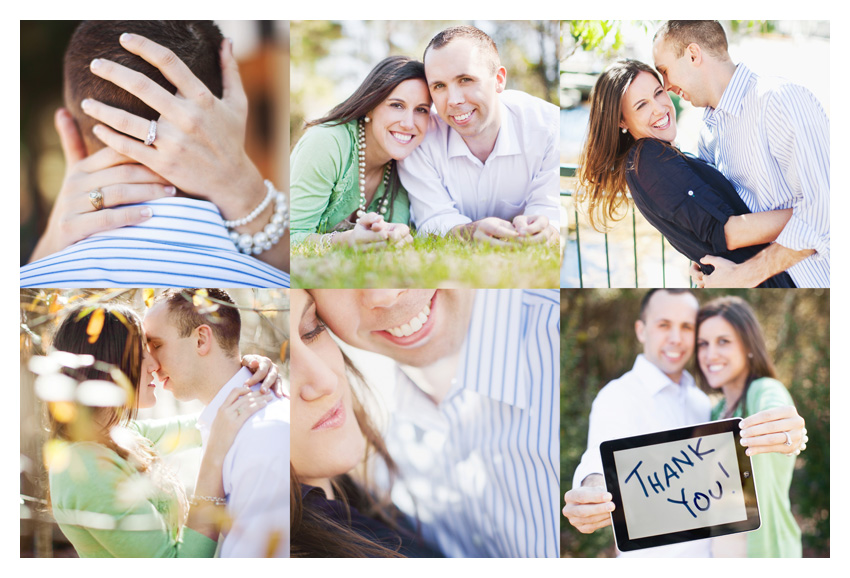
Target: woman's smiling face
722	356
398	125
326	438
647	111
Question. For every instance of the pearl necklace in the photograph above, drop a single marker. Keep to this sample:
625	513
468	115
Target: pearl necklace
361	157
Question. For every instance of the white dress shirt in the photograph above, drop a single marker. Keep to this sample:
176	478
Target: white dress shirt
770	137
644	400
184	244
483	465
255	476
449	186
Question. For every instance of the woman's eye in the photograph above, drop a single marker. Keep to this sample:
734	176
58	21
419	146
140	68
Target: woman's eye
314	333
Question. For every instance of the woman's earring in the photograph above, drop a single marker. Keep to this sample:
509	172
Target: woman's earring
625	130
750	355
367	119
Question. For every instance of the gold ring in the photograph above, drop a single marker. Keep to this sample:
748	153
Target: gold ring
96	198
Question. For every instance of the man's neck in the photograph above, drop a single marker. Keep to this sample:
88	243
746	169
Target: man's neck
482	145
435	380
216	374
720	78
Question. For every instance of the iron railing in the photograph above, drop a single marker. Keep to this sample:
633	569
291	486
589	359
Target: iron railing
569	171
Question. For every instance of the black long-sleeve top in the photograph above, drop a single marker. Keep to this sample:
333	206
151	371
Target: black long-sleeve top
689	202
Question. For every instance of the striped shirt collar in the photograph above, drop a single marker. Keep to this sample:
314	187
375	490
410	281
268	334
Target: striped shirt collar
490	358
733	97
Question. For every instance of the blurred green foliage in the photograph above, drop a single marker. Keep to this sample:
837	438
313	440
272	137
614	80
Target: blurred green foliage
598	344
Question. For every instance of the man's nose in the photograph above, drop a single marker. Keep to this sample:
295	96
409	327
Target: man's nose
456	95
675	335
373	298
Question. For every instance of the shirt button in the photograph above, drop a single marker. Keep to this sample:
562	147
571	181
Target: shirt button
690	193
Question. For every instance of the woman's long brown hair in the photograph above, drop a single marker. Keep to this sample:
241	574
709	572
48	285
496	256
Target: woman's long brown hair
375	89
743	320
602	171
313	534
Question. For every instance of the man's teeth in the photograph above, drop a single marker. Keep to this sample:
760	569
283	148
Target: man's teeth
413	325
462	117
673	354
401	137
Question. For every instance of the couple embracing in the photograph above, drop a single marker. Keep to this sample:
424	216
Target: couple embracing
111	492
483	168
753	209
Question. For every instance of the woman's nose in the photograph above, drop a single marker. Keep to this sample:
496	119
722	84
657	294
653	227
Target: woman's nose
407	119
311	378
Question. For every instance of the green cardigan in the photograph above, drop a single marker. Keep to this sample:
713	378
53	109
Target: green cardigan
779	535
324	182
107	509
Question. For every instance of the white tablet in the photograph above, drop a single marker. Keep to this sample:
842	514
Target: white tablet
680	485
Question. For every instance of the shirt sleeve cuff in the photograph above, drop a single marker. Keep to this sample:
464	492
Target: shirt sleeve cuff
442	225
798	236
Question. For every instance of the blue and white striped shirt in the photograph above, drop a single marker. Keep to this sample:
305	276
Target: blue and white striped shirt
483	465
770	137
184	244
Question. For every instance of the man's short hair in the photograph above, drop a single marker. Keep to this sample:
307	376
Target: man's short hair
644	303
195	42
191	308
709	34
484	43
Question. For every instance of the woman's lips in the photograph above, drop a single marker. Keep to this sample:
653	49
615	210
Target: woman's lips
334	418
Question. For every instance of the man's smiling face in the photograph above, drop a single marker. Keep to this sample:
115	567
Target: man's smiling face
415	327
464	84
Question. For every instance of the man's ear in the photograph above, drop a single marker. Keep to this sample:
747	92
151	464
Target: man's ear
501	79
640	328
694	53
204	340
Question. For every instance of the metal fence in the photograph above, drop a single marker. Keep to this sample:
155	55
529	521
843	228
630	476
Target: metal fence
573	236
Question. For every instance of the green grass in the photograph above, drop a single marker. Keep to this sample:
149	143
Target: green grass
431	261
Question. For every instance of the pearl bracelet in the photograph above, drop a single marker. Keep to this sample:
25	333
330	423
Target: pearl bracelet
214	500
256	212
271	233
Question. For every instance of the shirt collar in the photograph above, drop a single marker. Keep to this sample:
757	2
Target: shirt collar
490	361
208	415
507	142
654	380
733	97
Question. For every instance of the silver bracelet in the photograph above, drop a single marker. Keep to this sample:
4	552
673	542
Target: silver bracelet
327	239
214	500
271	233
256	212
